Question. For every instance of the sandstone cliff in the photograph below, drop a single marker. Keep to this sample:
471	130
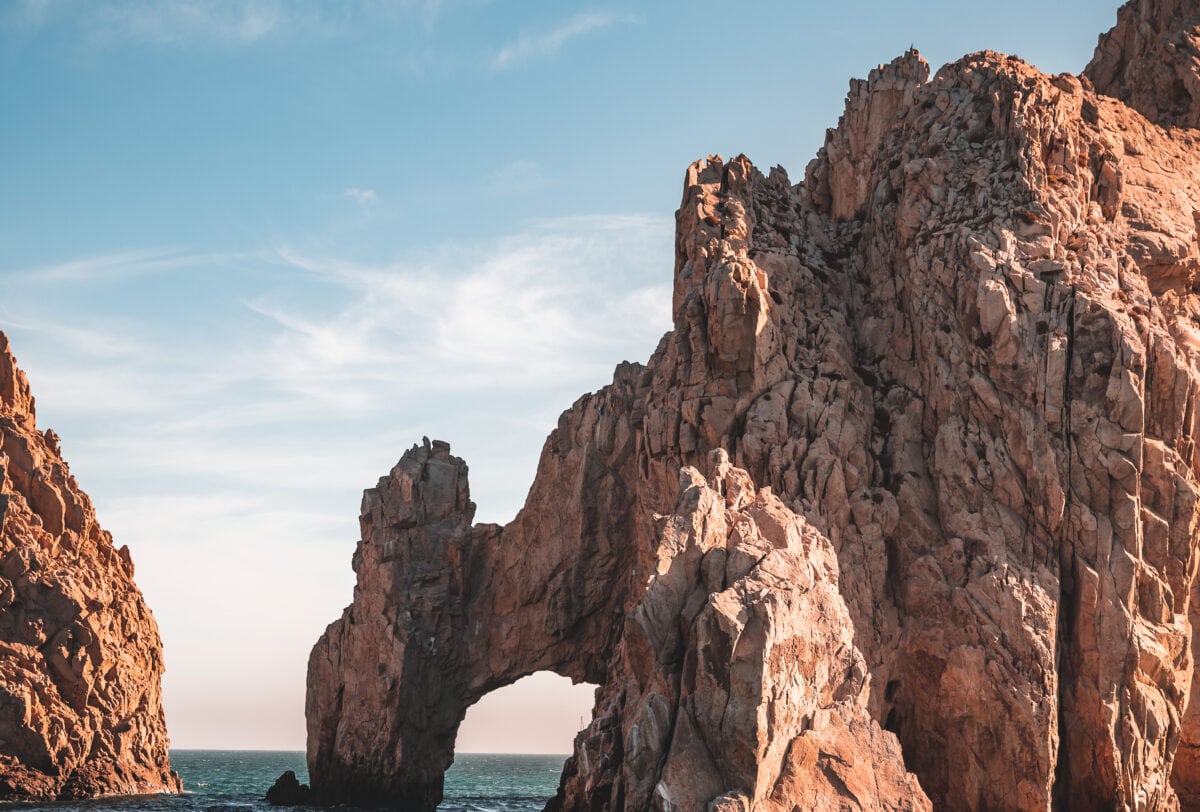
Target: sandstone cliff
962	357
80	658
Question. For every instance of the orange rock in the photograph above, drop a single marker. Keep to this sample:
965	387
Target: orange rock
80	658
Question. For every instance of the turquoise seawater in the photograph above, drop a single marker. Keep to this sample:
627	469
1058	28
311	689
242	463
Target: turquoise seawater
236	780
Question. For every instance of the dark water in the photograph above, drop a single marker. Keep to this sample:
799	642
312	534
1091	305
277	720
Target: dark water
236	780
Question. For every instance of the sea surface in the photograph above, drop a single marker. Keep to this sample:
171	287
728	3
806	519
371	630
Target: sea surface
237	780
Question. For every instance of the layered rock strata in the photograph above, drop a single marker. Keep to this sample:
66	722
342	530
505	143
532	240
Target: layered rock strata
963	352
80	658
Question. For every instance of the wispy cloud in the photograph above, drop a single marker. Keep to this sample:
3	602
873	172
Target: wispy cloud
543	305
171	21
228	22
529	47
111	267
365	198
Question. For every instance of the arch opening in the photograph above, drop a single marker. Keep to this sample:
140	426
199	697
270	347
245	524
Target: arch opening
514	741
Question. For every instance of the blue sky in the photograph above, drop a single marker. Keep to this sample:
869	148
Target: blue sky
249	252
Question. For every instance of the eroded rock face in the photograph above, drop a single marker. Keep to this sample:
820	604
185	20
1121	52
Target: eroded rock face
1151	61
964	353
80	658
736	682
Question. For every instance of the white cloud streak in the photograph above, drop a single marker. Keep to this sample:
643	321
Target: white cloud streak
110	267
165	22
535	307
529	47
365	198
171	23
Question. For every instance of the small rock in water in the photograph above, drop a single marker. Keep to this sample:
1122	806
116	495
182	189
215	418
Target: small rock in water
288	791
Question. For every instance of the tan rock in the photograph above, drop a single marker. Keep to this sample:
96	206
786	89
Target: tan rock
1151	61
963	356
80	658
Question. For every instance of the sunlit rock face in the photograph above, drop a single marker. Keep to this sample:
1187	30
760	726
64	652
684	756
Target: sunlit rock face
80	658
954	374
1151	61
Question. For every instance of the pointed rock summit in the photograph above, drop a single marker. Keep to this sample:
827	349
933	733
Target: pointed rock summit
1151	61
904	511
80	658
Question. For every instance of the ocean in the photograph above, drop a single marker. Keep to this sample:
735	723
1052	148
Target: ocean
236	780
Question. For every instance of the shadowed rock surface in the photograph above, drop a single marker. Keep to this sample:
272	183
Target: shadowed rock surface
962	357
80	657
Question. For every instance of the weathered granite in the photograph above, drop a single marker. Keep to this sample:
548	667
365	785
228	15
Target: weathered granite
962	355
80	657
1151	61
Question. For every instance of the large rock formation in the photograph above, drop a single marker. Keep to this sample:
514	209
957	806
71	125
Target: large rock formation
80	658
732	670
962	355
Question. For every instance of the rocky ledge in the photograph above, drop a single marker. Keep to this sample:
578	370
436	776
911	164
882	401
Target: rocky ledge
959	362
80	658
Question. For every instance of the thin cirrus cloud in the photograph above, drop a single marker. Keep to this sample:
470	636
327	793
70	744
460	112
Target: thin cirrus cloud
365	198
228	22
169	21
117	265
549	309
160	22
529	308
531	47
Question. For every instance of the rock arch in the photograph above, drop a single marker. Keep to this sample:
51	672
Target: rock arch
964	350
730	668
446	612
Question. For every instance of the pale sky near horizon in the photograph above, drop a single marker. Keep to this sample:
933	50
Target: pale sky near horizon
251	251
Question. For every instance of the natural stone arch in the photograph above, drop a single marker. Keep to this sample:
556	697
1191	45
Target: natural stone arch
446	612
697	638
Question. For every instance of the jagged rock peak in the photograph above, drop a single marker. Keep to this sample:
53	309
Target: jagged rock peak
1151	60
426	486
838	179
80	657
14	387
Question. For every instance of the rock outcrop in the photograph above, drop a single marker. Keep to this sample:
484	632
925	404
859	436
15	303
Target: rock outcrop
1151	61
736	681
962	355
80	658
288	791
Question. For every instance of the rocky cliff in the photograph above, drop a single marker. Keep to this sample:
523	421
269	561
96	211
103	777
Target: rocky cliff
80	658
946	548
